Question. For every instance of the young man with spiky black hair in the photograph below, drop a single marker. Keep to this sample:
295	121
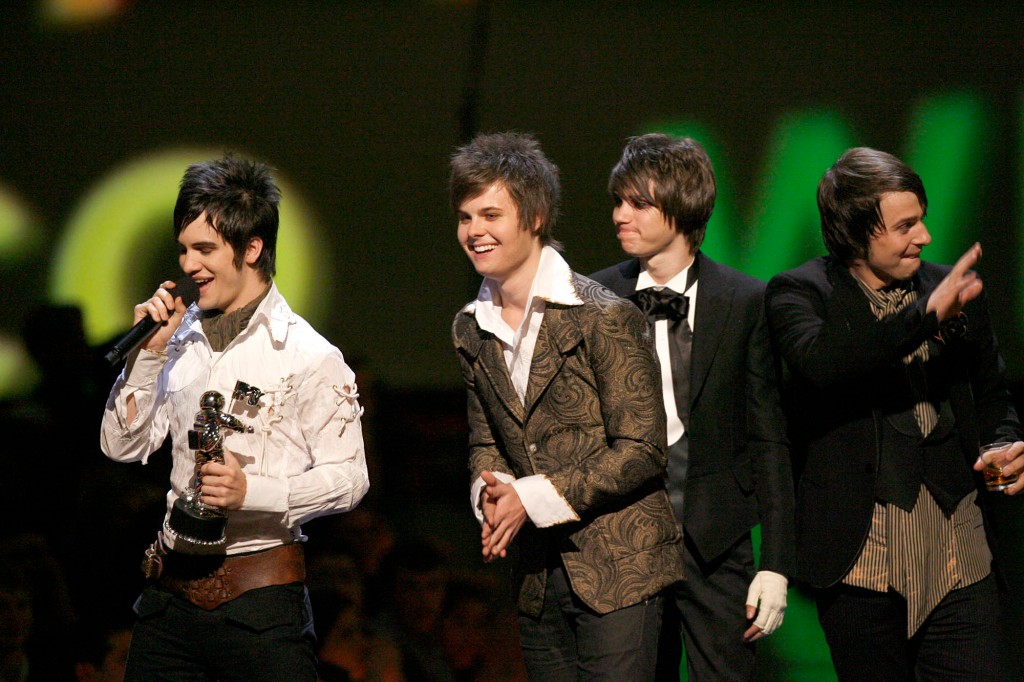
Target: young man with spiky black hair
234	608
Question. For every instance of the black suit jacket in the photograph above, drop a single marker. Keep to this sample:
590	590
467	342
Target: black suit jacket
739	471
844	367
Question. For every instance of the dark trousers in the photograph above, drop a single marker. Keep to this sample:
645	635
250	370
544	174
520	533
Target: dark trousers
571	643
866	633
710	608
264	634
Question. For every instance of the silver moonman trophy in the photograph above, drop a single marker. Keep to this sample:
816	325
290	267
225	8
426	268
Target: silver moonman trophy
191	519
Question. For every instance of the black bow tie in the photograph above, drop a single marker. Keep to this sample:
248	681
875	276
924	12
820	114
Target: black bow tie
663	304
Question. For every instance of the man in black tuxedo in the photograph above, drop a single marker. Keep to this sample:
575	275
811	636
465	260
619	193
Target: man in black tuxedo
895	380
729	465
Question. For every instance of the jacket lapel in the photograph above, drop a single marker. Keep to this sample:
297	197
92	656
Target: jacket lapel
850	297
714	308
493	365
484	351
558	334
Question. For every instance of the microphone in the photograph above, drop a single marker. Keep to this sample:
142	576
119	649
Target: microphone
185	287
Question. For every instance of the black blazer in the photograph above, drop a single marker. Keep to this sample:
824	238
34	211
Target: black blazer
844	366
739	472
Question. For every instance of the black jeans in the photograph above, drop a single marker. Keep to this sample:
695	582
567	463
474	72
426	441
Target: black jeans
866	633
264	634
571	643
710	609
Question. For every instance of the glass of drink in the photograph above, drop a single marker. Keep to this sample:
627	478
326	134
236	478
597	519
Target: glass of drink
992	458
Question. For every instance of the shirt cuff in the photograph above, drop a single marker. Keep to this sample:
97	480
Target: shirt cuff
145	369
543	503
265	494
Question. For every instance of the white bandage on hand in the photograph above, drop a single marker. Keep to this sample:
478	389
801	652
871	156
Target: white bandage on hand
767	594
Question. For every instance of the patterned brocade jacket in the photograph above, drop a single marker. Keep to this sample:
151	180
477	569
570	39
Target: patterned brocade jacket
594	425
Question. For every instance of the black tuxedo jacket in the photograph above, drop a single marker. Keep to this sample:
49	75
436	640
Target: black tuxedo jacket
844	367
739	471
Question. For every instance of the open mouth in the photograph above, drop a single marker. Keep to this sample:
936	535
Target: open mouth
483	248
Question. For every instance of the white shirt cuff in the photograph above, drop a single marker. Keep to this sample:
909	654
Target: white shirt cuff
145	369
543	503
265	494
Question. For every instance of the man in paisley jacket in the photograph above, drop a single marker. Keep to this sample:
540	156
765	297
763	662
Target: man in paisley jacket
566	427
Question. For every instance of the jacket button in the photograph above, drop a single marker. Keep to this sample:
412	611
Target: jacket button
532	447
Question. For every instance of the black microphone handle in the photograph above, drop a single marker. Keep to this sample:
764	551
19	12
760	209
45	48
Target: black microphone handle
132	340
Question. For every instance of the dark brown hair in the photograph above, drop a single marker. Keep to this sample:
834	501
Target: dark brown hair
673	174
849	195
514	160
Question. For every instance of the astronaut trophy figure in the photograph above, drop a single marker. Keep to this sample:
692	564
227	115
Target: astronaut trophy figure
191	519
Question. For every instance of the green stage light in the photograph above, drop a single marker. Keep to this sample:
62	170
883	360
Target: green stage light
950	147
17	235
785	227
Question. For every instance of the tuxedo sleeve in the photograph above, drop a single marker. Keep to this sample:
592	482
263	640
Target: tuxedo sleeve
829	336
768	446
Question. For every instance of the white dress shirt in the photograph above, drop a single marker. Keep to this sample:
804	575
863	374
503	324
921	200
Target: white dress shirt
677	285
305	458
553	283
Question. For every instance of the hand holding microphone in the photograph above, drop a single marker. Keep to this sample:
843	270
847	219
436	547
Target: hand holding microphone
156	319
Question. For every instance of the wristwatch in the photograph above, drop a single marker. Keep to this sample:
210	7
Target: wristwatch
953	328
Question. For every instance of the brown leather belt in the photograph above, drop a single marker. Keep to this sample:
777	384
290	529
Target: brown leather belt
210	581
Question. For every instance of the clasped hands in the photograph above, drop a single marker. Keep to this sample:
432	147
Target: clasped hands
504	514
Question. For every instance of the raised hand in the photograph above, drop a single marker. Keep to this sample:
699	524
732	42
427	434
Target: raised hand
960	286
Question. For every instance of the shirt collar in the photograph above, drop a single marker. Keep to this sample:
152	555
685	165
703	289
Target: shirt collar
272	312
676	284
894	292
553	283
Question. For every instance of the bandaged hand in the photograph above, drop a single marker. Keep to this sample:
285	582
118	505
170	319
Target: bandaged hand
767	599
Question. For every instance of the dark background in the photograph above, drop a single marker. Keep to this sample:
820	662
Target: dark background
359	105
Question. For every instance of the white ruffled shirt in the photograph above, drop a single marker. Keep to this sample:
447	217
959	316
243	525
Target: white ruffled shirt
305	458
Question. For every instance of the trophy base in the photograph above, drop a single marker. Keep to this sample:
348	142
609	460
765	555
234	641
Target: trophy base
186	524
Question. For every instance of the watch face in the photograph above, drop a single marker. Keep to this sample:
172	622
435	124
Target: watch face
955	328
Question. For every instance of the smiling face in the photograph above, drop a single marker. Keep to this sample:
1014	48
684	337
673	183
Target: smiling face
894	253
209	260
491	236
